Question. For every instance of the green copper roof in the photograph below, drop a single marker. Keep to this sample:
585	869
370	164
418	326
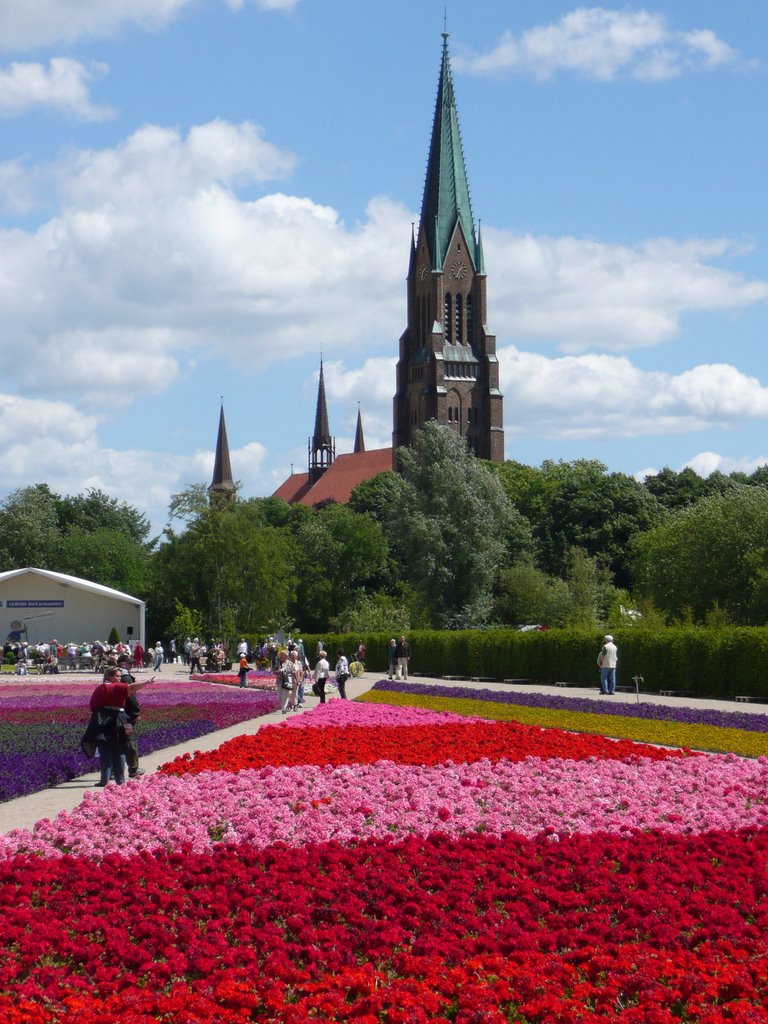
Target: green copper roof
446	190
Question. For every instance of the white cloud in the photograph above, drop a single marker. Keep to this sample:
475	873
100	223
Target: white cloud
580	293
706	463
62	86
372	385
29	24
153	260
604	44
593	396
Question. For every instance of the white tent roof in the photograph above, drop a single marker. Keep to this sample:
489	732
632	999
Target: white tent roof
72	581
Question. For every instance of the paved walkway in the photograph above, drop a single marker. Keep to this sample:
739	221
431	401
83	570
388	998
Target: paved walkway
25	811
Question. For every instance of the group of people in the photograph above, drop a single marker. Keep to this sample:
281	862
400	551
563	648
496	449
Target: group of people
398	656
112	726
292	672
50	657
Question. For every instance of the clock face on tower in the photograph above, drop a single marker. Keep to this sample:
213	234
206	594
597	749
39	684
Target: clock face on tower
423	271
459	269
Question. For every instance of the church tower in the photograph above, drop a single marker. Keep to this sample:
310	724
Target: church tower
321	447
447	368
222	483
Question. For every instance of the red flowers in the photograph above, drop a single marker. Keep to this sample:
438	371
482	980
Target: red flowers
460	930
414	744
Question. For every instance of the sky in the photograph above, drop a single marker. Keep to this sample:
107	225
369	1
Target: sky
198	197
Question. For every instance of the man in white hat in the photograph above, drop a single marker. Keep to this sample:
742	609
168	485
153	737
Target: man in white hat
607	660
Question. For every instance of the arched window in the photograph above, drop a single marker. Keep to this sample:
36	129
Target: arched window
450	414
469	319
458	319
447	318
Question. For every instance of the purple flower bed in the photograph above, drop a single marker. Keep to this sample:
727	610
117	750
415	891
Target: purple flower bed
40	734
746	720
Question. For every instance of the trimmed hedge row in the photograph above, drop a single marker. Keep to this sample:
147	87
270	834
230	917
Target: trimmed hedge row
707	662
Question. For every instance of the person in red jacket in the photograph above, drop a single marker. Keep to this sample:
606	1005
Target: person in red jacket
106	727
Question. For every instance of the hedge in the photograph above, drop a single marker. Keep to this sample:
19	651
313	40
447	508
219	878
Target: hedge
704	661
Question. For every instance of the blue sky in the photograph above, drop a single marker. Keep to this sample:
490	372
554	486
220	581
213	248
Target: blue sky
196	196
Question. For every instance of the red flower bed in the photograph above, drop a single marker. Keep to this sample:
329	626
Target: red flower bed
417	744
650	928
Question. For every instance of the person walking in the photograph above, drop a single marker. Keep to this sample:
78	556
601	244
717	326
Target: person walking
342	673
195	651
158	657
322	671
402	653
391	658
243	672
284	680
607	661
132	711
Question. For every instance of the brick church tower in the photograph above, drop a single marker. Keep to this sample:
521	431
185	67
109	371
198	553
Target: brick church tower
447	369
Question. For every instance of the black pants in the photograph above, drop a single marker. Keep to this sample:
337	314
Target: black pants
321	688
341	682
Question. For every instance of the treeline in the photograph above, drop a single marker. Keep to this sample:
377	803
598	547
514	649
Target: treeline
448	543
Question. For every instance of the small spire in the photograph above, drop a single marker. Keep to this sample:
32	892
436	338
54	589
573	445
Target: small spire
321	448
222	482
359	438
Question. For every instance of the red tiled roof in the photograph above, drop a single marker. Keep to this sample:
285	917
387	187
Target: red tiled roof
338	482
293	489
346	473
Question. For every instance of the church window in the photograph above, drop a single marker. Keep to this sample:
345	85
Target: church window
458	319
450	414
447	318
469	319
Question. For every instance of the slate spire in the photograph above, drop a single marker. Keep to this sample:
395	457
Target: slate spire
359	439
446	188
222	482
321	449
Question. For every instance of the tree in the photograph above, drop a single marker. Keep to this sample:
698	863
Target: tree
29	532
451	526
710	554
238	573
580	505
106	556
340	553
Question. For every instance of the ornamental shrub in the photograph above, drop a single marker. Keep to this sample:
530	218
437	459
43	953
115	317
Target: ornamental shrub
705	661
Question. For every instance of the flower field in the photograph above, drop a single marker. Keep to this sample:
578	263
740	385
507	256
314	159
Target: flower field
258	679
41	726
744	733
371	862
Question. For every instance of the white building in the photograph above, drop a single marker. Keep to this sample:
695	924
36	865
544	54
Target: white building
39	605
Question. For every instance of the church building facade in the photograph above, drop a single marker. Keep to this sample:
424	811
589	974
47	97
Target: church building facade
447	369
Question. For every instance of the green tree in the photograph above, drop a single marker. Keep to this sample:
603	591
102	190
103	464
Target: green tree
340	553
580	505
106	556
225	563
450	527
29	530
710	554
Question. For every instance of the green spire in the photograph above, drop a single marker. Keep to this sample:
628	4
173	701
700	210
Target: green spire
446	190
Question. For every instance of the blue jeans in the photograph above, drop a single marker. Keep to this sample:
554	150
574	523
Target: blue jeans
111	763
607	680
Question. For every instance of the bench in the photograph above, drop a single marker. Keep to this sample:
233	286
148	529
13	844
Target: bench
458	679
676	693
482	679
519	682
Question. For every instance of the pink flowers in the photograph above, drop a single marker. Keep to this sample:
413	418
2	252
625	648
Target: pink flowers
333	883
